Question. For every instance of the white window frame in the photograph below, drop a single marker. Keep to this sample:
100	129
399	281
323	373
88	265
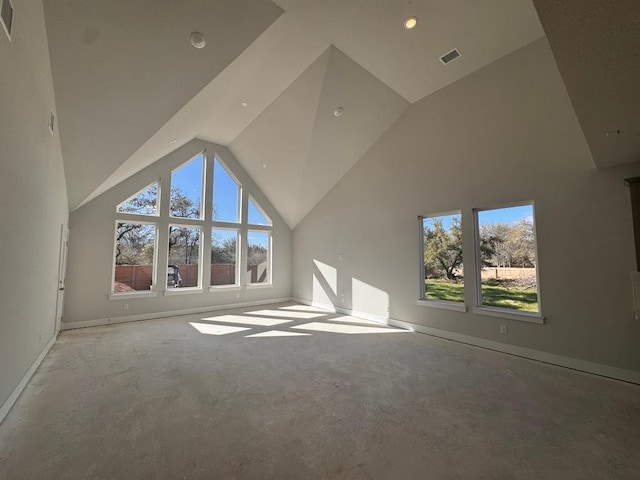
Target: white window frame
268	231
203	191
158	196
199	287
235	286
154	269
238	221
422	298
501	312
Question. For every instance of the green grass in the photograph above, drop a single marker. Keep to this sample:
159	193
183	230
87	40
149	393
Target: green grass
493	294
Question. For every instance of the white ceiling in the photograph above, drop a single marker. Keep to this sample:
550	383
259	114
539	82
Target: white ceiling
597	48
125	100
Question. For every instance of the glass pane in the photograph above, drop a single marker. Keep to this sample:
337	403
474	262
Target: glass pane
507	253
258	262
184	257
224	248
443	268
186	189
145	202
256	216
226	195
135	244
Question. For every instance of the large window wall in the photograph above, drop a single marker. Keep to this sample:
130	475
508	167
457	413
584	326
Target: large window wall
191	230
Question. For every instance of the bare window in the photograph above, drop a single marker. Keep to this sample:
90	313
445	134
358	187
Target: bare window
226	195
257	215
443	273
186	189
258	257
224	257
184	256
506	250
134	257
145	202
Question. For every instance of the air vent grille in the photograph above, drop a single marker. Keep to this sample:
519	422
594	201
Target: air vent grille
6	15
450	56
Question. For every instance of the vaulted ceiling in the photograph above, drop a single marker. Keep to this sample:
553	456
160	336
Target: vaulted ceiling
130	88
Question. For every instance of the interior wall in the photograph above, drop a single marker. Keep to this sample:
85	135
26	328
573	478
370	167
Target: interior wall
32	194
504	134
91	250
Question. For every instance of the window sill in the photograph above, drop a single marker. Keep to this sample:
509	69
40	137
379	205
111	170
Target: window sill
183	291
458	307
251	286
224	288
129	295
510	315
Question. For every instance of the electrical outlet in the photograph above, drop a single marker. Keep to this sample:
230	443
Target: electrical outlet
125	306
341	256
237	295
503	329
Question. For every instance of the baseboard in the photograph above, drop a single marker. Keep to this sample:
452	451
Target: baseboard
6	406
172	313
616	373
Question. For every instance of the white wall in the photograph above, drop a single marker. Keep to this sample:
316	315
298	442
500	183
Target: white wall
33	196
506	133
91	250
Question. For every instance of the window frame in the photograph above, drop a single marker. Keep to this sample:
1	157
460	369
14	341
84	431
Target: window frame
152	292
146	215
237	284
422	296
200	287
238	222
502	312
269	281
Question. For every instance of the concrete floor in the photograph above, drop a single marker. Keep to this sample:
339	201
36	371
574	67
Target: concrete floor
164	399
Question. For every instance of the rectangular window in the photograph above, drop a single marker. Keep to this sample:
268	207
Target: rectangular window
443	274
184	257
506	252
224	257
258	257
134	257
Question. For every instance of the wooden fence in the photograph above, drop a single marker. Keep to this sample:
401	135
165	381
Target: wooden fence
139	277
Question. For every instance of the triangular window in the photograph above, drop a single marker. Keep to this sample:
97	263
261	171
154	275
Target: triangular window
257	215
186	189
226	195
145	202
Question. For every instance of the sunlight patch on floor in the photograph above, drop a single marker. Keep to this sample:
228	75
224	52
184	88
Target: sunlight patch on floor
348	329
246	320
279	333
286	314
346	319
209	329
304	308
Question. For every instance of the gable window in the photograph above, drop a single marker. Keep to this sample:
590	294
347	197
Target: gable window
183	263
257	215
226	195
258	257
507	260
145	202
442	275
134	258
187	183
224	257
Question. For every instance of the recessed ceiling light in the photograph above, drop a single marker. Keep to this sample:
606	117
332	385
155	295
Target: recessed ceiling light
338	112
244	104
264	165
410	23
197	40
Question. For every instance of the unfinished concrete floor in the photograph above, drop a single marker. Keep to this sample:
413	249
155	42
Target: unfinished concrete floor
165	399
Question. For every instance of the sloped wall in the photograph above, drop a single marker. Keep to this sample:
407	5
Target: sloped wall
91	247
33	197
504	134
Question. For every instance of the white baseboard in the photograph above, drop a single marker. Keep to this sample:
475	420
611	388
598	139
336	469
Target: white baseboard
6	406
172	313
616	373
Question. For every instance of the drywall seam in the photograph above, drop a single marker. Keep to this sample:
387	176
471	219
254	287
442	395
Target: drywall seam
616	373
170	313
6	406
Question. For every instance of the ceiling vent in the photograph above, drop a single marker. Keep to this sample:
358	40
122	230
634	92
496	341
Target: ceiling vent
6	15
450	56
